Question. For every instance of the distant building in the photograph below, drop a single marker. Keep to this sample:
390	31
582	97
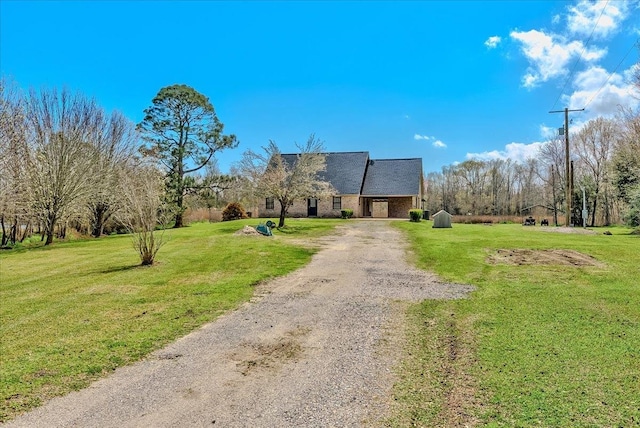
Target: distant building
378	188
537	211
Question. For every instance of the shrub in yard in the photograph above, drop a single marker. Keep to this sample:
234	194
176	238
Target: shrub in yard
233	211
632	216
415	215
346	213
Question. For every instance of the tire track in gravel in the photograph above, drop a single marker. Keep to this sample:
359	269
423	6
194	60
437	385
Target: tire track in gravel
308	350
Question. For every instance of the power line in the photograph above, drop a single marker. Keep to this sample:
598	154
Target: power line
636	43
584	48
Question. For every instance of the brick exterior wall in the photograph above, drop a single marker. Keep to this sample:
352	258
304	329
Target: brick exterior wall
380	209
325	207
394	208
399	207
299	209
352	202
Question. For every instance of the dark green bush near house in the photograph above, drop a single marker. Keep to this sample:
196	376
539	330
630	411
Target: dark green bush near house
347	213
233	211
415	215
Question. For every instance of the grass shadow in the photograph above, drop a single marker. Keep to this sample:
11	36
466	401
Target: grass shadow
121	268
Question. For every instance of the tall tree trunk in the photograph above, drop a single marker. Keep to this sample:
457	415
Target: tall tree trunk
179	220
14	231
98	220
62	231
283	213
27	231
607	208
179	204
5	238
50	224
180	188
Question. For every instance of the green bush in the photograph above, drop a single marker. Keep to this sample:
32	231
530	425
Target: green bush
415	215
632	216
346	213
233	211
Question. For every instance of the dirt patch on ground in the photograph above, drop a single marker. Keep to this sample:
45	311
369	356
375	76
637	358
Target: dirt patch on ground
542	257
248	231
460	392
563	229
254	356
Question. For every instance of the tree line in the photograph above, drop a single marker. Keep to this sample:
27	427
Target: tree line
605	162
67	164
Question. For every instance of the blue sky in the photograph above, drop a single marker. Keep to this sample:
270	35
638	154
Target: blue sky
445	81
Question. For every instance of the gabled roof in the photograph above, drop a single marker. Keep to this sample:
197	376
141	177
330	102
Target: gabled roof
352	173
345	170
393	177
443	213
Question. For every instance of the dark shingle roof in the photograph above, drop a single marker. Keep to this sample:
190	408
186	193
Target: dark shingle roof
345	170
393	177
384	177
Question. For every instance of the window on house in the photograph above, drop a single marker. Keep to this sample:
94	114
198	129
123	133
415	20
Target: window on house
337	203
269	204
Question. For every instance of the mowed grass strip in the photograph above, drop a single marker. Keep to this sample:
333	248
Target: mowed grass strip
534	345
73	312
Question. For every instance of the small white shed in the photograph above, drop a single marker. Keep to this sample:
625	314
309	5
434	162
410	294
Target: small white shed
441	219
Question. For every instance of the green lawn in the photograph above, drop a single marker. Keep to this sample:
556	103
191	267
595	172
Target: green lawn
74	311
545	346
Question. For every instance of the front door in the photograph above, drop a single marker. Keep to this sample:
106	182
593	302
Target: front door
312	207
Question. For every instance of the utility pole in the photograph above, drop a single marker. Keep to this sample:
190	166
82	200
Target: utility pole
567	172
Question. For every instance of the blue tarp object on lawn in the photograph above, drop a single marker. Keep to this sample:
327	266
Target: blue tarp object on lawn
265	228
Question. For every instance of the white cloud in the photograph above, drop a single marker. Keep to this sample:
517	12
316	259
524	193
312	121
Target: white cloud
493	42
548	132
439	144
549	54
555	19
616	92
518	152
601	18
435	143
529	80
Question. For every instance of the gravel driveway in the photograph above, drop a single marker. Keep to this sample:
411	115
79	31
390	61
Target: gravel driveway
315	348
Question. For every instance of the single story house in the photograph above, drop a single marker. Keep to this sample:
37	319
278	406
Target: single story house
370	187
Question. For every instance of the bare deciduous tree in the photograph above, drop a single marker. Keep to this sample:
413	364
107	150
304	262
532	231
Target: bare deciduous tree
114	143
270	175
14	213
552	161
61	127
143	209
594	144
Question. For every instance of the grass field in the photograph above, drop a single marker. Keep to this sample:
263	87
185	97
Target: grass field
534	345
74	311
